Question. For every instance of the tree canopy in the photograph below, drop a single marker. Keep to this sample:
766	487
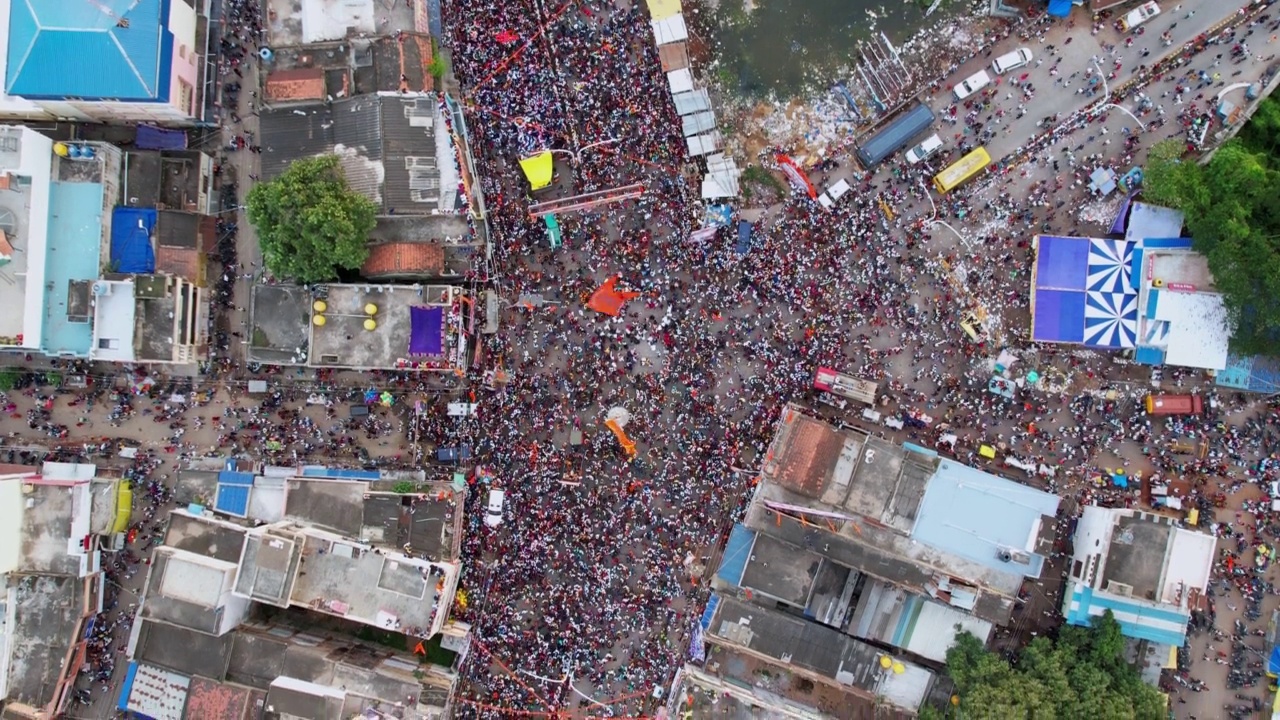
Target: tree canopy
1080	675
1232	207
310	223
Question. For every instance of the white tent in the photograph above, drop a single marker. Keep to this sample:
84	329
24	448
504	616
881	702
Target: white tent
698	123
680	80
688	103
670	30
721	180
703	144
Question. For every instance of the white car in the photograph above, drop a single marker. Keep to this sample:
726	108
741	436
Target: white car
1138	15
929	146
1011	61
493	511
972	84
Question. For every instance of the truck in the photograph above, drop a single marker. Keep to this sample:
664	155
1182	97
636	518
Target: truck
894	136
1174	404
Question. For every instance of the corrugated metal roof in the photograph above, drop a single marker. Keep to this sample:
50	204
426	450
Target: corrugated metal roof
232	499
50	39
388	146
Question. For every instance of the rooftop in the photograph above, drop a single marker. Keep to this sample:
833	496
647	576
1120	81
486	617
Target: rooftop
296	84
825	652
53	524
303	22
180	649
395	150
415	247
204	536
280	316
404	259
344	340
895	513
384	589
45	614
186	589
163	179
892	615
74	246
128	40
221	701
26	161
1153	221
428	522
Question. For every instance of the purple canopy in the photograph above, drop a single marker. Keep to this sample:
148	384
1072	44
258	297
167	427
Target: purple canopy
425	334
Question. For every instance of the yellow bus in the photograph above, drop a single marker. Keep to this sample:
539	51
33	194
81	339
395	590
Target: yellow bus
961	170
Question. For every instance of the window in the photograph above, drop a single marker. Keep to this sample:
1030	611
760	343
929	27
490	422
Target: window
108	344
182	51
186	97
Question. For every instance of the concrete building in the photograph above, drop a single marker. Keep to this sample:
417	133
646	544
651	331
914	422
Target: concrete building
55	226
1150	572
334	561
411	327
55	519
149	318
888	543
819	653
148	60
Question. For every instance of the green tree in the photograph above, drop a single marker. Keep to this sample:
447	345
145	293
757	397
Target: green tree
310	223
1080	675
1233	214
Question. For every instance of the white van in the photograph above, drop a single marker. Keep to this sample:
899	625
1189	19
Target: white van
1011	61
493	511
931	145
972	84
834	193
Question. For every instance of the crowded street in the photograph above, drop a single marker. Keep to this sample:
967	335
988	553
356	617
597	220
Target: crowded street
583	599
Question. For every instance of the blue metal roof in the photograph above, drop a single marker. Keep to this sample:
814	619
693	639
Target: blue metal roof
737	551
316	471
974	514
232	499
93	49
231	477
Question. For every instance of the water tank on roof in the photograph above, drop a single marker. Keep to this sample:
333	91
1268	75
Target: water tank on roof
101	288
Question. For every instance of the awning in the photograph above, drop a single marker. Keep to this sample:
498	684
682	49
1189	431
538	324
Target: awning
1059	8
680	80
663	9
670	30
124	508
538	169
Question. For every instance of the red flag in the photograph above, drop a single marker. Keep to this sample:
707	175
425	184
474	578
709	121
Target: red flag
506	37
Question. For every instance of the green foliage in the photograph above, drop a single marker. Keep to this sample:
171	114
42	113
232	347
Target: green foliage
1081	675
404	487
310	223
437	68
1232	206
8	379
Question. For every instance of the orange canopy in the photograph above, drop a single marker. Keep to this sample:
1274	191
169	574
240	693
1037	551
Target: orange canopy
608	299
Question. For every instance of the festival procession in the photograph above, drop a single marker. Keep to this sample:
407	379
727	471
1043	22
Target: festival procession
702	409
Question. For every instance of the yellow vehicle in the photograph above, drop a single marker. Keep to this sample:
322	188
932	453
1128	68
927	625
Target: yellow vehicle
961	170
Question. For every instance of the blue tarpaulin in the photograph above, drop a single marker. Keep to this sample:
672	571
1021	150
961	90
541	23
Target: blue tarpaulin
1059	8
151	137
1273	664
744	237
131	230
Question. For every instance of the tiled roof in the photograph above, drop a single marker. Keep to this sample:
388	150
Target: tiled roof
807	455
211	700
297	84
404	259
180	262
49	41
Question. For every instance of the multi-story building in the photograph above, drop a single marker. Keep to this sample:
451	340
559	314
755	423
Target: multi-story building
892	544
109	61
